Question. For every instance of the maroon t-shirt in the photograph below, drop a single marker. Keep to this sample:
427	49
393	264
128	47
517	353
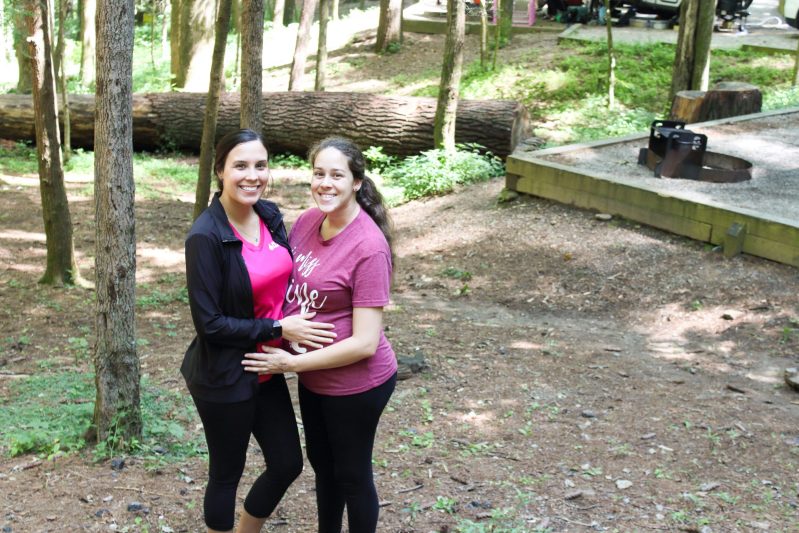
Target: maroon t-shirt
331	277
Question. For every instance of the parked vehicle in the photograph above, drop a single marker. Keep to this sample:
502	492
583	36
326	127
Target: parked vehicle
727	11
789	9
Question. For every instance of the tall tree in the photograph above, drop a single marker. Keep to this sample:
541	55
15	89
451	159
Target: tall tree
321	50
448	91
796	68
61	266
278	10
252	50
505	25
389	24
174	38
20	33
301	48
611	58
117	411
88	10
61	74
205	173
196	44
692	55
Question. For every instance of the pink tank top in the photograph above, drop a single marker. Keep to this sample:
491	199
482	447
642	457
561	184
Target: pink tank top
269	266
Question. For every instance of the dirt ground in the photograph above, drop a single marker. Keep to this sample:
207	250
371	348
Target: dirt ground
581	375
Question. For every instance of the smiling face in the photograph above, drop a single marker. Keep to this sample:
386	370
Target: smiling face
333	186
245	174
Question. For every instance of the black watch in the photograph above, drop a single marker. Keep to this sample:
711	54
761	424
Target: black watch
277	328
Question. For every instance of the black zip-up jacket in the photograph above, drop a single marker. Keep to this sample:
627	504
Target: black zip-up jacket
221	302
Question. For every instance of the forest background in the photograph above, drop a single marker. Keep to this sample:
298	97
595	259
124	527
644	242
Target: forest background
457	451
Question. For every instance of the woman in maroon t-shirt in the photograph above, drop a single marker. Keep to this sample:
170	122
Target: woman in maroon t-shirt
342	271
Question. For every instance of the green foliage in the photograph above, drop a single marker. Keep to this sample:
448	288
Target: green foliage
37	419
378	161
159	174
288	161
20	158
155	298
436	172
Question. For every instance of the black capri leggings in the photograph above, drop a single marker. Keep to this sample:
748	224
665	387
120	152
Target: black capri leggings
339	437
269	417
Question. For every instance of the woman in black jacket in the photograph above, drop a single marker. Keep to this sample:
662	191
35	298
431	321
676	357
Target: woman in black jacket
237	267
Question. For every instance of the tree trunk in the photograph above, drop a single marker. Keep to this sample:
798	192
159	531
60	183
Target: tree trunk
389	24
334	9
196	44
205	173
301	48
505	25
24	80
448	90
61	266
252	46
321	50
292	121
796	67
692	56
87	40
687	106
483	36
278	11
61	75
117	412
730	99
497	6
611	58
174	38
684	53
706	17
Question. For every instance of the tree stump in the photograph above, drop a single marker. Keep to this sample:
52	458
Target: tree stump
730	99
687	106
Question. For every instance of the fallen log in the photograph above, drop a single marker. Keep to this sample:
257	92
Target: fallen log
725	99
292	120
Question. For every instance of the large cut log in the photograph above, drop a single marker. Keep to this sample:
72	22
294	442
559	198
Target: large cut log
292	121
686	106
730	99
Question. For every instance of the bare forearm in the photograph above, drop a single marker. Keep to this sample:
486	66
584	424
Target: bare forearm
346	352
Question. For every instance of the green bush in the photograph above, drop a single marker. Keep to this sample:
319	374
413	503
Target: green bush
436	172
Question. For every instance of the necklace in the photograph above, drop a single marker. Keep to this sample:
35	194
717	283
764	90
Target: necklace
246	234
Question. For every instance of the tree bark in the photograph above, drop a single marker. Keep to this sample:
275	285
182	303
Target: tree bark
611	58
706	17
301	48
205	172
252	46
176	9
278	11
117	412
62	268
196	44
684	53
61	75
730	99
87	40
292	121
449	89
321	50
389	24
24	79
505	25
691	69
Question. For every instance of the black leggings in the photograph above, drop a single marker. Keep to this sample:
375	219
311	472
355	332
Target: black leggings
339	437
269	416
